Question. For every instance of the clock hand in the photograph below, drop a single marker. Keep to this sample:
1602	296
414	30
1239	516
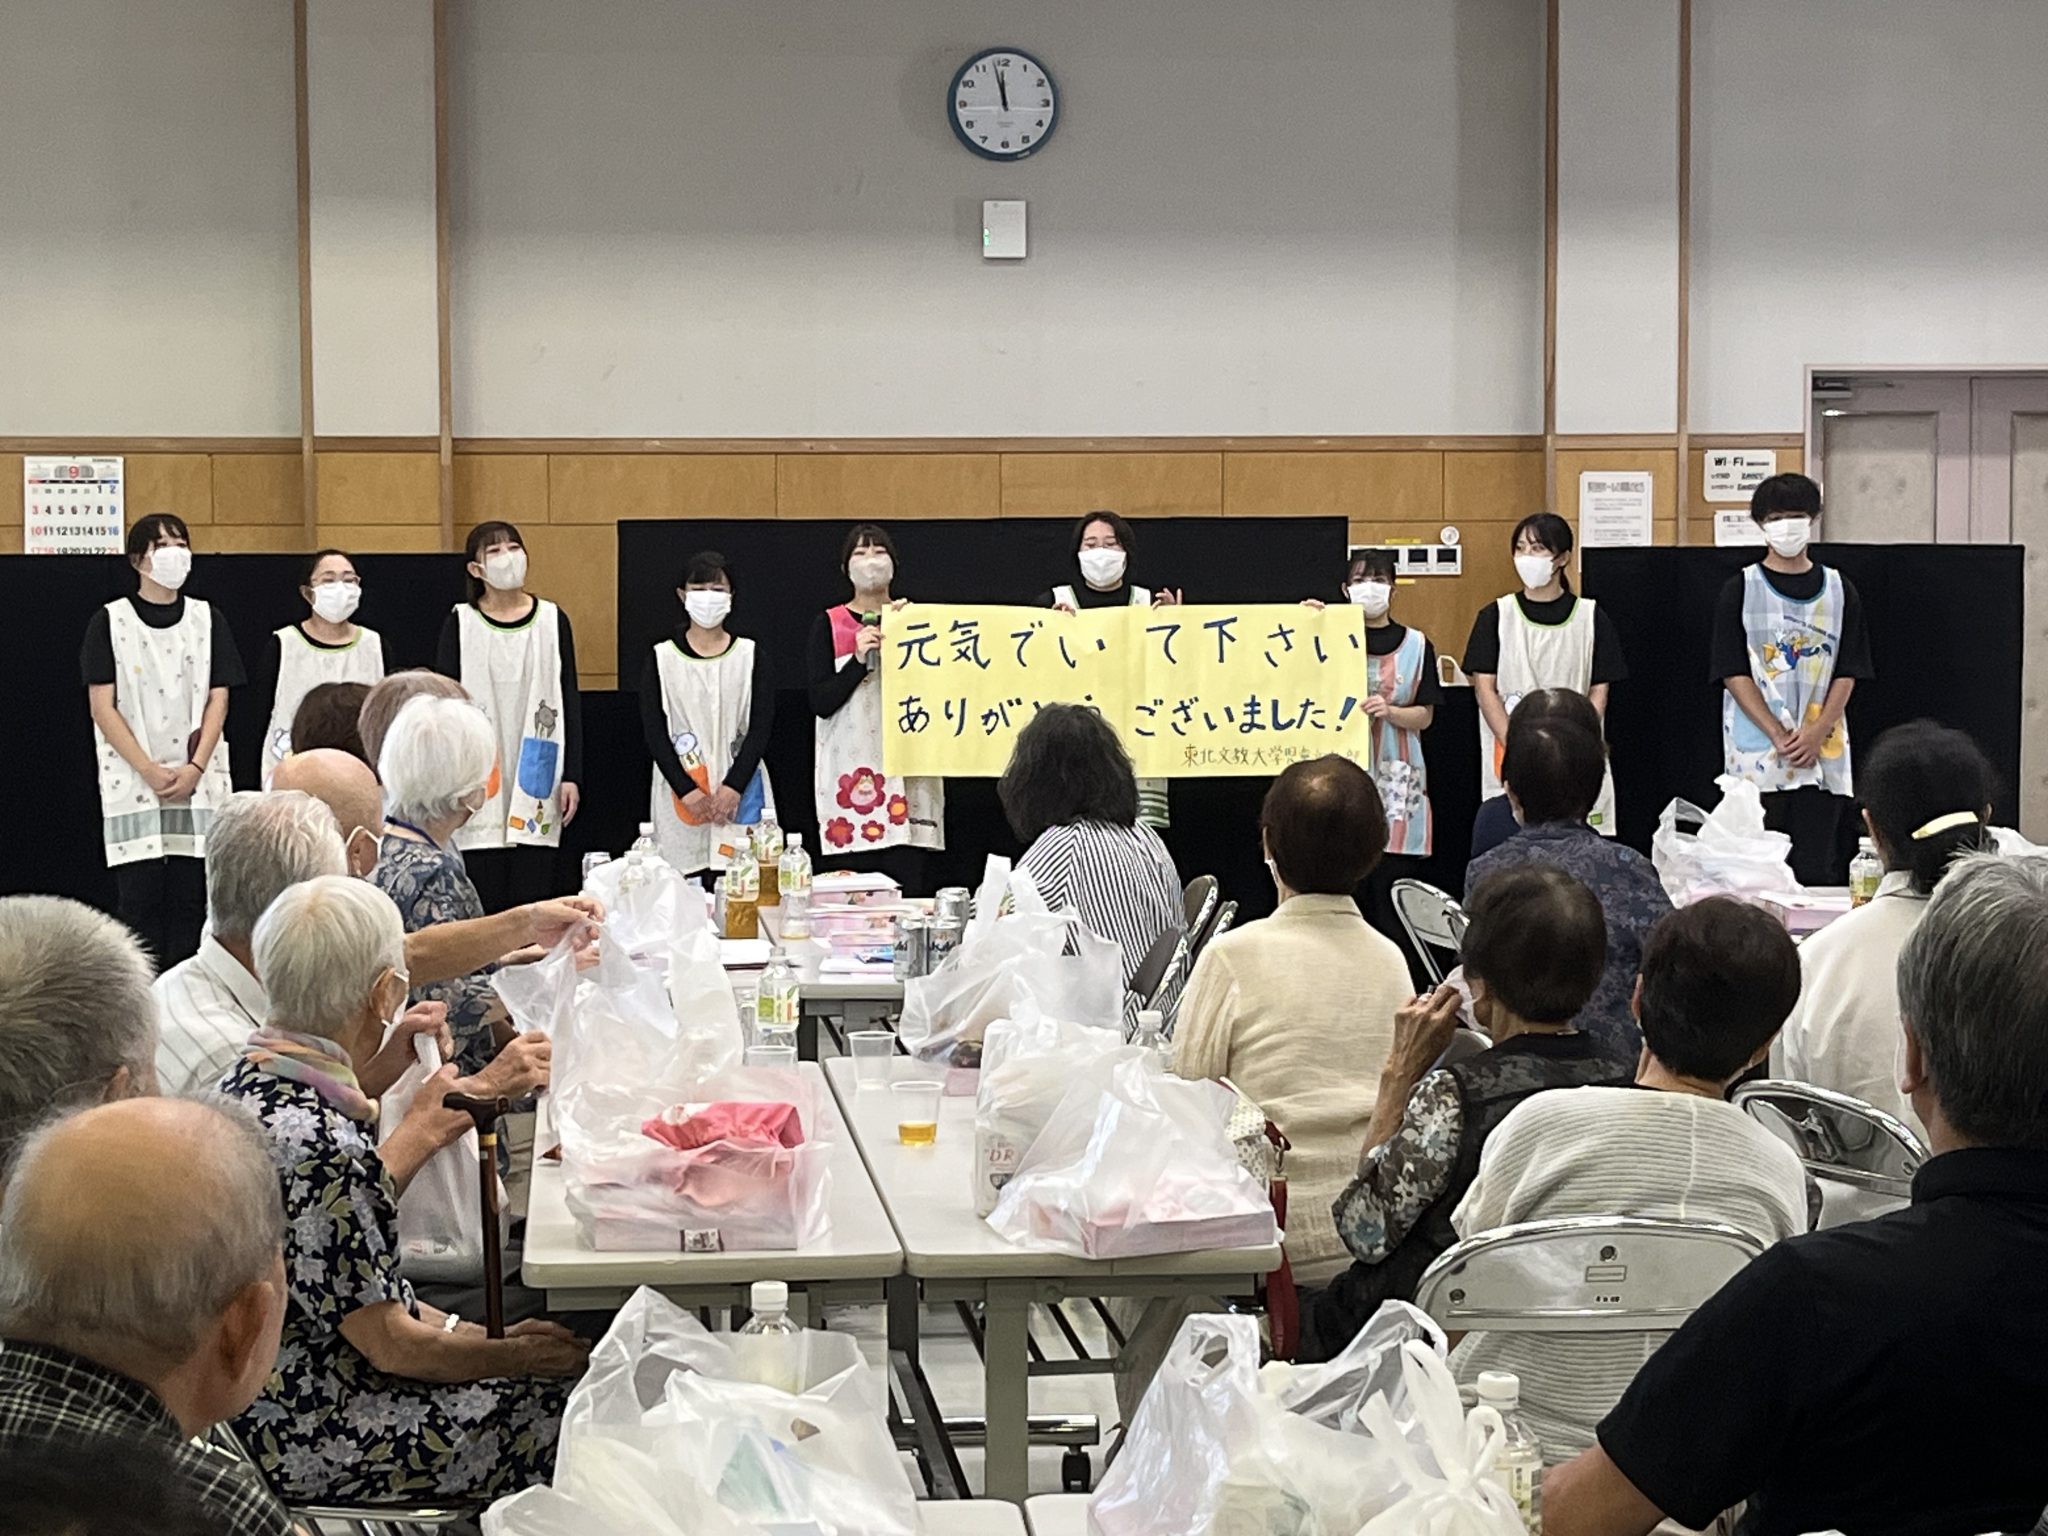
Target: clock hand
1003	88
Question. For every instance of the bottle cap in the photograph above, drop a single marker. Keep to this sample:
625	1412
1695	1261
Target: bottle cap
1150	1021
795	840
647	829
1502	1388
775	952
773	1296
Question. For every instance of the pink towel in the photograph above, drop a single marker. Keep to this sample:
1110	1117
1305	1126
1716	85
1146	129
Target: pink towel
742	1124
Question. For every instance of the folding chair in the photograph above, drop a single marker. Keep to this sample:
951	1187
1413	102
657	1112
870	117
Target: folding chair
1583	1274
358	1519
1842	1141
1226	915
1432	921
1199	901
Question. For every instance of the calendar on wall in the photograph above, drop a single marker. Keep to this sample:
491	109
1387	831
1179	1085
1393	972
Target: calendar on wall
72	506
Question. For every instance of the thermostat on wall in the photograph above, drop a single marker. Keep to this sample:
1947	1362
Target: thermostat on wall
1002	230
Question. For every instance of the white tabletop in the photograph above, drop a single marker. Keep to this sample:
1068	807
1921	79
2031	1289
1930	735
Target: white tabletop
1057	1514
929	1194
807	955
969	1517
860	1245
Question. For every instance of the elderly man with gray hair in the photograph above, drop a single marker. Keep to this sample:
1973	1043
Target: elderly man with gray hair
140	1308
1884	1377
384	1398
77	1021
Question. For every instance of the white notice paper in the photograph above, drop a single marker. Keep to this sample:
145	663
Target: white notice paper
1614	508
1731	474
72	506
1734	528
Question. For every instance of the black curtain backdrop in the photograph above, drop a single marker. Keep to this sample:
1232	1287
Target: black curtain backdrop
1945	638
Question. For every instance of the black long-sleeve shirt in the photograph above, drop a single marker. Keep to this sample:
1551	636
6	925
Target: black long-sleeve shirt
831	685
448	662
654	719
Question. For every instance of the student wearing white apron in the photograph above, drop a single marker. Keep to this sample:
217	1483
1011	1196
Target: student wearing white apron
327	646
707	703
515	654
1103	546
867	819
1544	636
1790	647
157	668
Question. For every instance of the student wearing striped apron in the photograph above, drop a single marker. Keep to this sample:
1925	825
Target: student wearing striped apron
515	655
1544	636
1790	646
157	668
327	646
1103	546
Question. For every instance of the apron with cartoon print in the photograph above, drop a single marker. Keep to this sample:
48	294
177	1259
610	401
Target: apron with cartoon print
1534	656
1397	765
516	675
707	702
303	666
859	806
162	679
1792	647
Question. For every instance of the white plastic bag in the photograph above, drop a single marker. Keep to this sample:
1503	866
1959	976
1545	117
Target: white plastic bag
651	910
661	1437
1732	854
440	1215
1027	1065
1135	1161
1220	1447
1450	1492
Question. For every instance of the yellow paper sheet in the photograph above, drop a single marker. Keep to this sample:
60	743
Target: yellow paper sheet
1194	692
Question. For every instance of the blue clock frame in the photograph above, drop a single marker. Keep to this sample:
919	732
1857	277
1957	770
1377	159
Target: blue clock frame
1001	156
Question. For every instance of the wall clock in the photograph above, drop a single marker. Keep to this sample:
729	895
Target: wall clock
1003	104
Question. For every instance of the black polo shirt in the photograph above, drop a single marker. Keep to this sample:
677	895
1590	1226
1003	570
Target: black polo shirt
1884	1378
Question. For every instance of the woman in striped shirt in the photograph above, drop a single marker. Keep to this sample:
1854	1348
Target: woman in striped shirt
1072	799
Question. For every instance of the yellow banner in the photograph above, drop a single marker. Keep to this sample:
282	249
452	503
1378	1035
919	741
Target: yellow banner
1194	692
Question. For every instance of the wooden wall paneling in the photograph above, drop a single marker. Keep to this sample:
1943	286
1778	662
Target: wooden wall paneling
610	487
379	489
181	483
385	538
255	538
578	567
1135	484
721	485
1492	487
11	505
1394	486
259	488
880	487
510	486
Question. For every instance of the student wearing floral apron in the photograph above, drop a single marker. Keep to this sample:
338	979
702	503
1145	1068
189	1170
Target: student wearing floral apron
1103	546
515	655
1789	647
707	704
157	668
325	647
1543	636
867	819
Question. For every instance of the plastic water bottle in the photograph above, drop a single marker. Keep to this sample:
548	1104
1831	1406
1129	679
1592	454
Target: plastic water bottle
768	1349
779	1003
645	843
1519	1467
793	875
1151	1025
767	854
592	862
1866	871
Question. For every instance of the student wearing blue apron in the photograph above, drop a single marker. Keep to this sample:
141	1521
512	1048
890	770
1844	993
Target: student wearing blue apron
1789	648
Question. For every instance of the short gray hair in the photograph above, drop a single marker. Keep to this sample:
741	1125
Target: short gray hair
320	949
140	1299
261	843
439	753
75	1008
1973	991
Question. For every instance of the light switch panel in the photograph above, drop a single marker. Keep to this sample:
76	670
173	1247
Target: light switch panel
1002	230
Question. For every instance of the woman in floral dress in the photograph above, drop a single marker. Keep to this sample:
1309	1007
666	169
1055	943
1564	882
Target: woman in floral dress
375	1398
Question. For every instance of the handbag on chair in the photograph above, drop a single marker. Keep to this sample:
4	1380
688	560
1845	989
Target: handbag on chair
1262	1149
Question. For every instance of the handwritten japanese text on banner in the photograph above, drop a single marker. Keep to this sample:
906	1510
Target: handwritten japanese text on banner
1204	691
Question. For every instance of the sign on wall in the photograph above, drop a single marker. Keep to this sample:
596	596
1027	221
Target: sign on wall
1194	692
1732	474
1614	508
72	506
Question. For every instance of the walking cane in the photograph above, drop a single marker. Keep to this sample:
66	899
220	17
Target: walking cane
484	1114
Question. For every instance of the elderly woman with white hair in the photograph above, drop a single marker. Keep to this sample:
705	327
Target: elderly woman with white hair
376	1398
437	766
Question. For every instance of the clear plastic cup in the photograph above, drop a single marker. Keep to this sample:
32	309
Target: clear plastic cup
771	1056
775	1036
872	1051
917	1111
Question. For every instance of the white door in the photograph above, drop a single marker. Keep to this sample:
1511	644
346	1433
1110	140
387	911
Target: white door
2009	503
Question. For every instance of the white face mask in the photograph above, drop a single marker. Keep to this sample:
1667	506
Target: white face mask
1535	570
1372	596
505	570
336	600
871	573
169	565
1102	567
1788	536
707	609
